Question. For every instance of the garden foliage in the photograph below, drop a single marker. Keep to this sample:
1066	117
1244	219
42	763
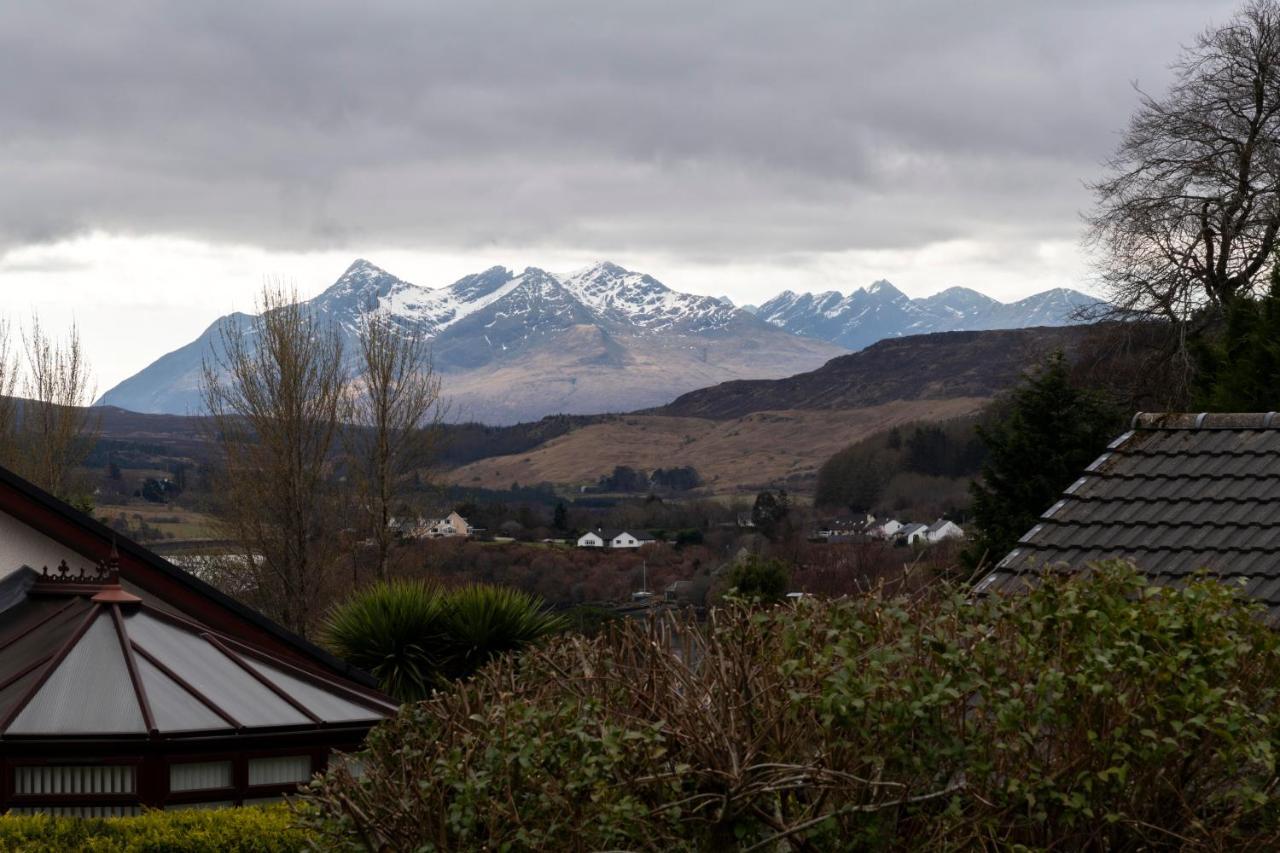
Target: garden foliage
1092	713
415	637
244	830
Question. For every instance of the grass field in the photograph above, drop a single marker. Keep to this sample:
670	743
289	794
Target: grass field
174	520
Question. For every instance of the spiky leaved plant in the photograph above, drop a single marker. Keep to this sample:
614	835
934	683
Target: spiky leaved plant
394	631
481	621
415	637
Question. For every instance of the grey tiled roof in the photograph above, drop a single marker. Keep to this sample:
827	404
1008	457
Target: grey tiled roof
1176	494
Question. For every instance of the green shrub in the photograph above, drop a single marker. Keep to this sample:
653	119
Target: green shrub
1092	713
755	578
257	829
414	637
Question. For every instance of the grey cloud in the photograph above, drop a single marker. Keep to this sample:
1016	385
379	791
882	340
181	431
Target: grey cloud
738	129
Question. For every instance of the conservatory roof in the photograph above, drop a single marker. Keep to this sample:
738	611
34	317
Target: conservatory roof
81	655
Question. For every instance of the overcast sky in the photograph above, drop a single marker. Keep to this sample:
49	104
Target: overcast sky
158	159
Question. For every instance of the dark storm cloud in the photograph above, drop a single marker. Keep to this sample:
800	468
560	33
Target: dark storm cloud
716	130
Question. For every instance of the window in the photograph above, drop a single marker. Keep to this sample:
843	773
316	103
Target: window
279	770
55	779
203	776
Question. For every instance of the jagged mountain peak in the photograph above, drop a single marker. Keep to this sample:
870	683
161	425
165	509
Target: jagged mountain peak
884	287
521	346
881	311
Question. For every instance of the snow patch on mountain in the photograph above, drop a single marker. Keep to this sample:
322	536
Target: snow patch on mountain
882	311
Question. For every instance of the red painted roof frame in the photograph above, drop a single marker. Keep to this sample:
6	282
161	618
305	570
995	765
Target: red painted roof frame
91	539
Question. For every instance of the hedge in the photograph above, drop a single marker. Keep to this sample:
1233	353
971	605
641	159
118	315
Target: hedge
1094	713
261	829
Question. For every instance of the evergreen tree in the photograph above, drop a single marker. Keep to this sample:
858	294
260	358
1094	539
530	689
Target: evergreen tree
769	514
1240	371
1050	432
560	520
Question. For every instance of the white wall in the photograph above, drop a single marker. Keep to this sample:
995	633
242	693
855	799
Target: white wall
22	545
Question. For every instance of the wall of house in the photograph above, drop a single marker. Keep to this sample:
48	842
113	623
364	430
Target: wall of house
22	545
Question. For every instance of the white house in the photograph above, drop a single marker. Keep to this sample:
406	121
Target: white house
888	528
914	533
943	529
627	539
615	539
591	539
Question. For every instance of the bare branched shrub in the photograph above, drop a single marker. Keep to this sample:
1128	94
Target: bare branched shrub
58	430
274	392
395	415
1092	713
1189	216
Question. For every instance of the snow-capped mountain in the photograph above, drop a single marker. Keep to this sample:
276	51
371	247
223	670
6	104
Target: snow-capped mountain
515	347
882	311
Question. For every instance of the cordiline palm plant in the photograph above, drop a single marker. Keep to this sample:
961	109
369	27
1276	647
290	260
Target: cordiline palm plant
483	621
415	637
394	631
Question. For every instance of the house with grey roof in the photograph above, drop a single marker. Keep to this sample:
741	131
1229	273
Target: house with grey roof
943	529
1175	494
913	533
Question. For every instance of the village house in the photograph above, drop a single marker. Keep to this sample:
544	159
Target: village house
913	533
615	539
887	529
449	526
592	539
127	683
1175	494
422	528
943	529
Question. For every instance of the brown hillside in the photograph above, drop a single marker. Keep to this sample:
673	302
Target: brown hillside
920	367
738	455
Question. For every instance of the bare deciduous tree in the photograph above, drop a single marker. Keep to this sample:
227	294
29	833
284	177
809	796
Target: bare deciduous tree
274	394
8	402
395	416
57	428
1189	217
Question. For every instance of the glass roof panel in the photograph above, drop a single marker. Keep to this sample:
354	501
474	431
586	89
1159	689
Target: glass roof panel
172	707
211	672
89	693
328	706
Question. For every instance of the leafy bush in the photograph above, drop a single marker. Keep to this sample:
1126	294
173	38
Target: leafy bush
756	578
1093	713
258	829
414	637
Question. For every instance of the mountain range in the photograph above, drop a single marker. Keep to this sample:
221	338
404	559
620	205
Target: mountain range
882	311
515	347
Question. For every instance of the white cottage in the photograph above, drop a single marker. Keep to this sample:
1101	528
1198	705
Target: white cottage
591	539
943	529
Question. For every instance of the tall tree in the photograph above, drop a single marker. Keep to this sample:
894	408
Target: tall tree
274	390
57	428
1189	217
1050	432
395	417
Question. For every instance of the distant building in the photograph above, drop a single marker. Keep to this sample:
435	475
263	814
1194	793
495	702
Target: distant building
887	529
591	539
615	539
943	529
451	525
913	533
421	528
628	539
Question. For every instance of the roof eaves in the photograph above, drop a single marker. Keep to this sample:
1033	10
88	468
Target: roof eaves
155	561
